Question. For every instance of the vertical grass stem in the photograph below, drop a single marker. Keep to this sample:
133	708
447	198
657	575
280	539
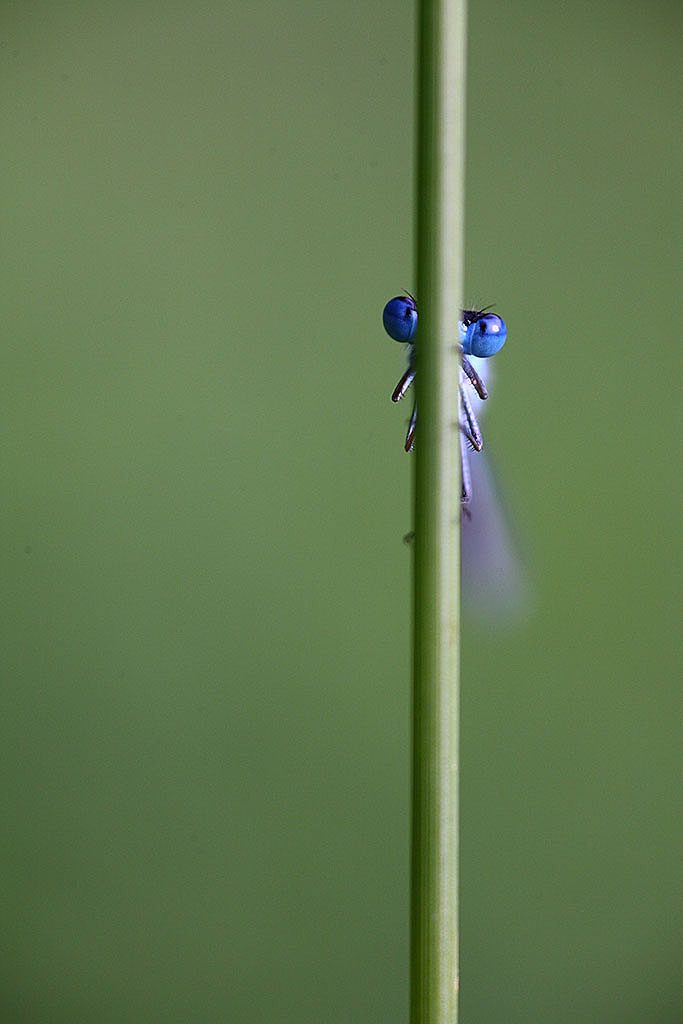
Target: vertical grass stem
440	260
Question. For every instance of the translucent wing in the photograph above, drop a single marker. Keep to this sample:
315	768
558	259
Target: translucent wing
495	581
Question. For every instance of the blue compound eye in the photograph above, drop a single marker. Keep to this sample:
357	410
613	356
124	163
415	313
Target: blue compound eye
400	318
485	336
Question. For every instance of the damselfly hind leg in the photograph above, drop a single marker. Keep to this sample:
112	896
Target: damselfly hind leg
466	492
410	436
469	424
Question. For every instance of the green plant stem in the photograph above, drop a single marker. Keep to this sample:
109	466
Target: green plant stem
440	244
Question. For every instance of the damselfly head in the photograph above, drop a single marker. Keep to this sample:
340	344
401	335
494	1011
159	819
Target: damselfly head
483	335
400	318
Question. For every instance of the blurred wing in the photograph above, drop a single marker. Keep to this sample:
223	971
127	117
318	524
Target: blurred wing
495	584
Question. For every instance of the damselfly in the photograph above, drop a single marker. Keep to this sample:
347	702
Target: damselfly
481	334
494	577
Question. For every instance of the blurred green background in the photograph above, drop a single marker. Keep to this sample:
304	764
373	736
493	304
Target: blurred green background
205	649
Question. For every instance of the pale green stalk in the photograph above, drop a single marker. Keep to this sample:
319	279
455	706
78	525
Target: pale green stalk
440	243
